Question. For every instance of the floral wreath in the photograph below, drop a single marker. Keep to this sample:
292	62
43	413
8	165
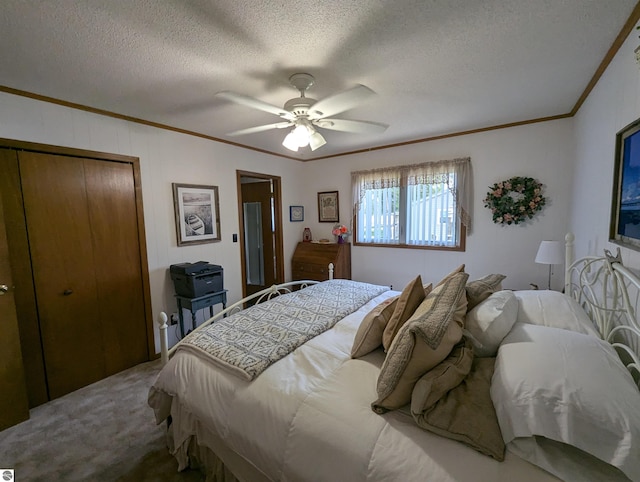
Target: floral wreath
514	200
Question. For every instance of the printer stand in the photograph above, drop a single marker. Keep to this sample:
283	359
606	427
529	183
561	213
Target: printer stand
195	304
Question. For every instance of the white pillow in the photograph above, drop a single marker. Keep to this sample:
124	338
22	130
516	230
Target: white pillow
571	388
490	321
555	309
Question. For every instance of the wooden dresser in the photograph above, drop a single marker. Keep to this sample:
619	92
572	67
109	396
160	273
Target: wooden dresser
311	261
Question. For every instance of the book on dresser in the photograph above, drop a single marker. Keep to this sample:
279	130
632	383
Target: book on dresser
311	261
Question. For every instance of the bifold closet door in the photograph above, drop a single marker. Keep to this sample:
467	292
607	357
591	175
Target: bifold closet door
80	215
14	405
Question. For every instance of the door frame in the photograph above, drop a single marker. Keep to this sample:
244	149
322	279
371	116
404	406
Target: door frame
277	208
142	240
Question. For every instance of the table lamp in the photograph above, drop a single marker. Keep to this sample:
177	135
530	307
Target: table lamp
550	252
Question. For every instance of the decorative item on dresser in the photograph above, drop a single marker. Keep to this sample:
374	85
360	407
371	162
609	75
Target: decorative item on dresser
341	232
310	261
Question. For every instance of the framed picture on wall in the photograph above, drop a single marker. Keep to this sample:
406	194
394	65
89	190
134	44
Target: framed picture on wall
624	228
296	213
328	207
197	213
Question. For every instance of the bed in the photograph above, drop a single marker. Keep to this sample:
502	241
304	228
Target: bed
525	385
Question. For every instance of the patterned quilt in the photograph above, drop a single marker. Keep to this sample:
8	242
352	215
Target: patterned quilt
246	343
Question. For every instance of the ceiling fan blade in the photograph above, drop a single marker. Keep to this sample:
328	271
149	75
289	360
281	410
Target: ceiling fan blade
266	127
255	104
340	102
355	126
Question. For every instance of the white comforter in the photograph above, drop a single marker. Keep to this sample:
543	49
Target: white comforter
308	418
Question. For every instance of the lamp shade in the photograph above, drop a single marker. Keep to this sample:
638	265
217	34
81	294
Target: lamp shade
301	135
290	142
316	140
550	252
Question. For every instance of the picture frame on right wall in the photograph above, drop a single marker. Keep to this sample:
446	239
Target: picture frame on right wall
624	228
328	207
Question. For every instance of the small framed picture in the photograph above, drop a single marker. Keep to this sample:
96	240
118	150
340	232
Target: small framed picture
296	213
197	213
328	208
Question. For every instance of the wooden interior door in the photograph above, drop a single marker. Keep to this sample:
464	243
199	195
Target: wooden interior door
80	214
14	405
261	192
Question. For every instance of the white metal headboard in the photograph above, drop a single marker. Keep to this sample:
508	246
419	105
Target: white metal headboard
610	294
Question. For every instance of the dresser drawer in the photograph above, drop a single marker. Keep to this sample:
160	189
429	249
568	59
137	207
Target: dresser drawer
311	261
310	271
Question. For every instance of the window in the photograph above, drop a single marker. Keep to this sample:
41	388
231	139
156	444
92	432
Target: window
423	205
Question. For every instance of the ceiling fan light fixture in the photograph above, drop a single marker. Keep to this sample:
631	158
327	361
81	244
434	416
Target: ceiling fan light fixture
291	142
304	114
316	140
301	134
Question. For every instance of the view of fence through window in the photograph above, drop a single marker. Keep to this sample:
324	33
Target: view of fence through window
420	215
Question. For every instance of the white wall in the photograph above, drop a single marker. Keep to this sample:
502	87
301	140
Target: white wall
613	104
543	151
165	157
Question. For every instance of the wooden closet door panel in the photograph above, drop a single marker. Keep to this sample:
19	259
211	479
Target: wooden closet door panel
14	406
24	294
59	230
114	229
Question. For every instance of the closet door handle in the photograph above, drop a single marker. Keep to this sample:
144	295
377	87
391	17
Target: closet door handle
3	289
67	292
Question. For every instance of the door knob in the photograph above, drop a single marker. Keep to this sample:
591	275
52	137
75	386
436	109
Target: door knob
3	289
67	292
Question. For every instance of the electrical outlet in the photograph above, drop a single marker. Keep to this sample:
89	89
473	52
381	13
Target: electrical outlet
173	319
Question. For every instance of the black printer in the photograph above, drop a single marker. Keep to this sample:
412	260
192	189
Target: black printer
196	279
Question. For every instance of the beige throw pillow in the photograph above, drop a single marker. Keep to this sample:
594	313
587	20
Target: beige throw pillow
480	289
410	298
369	334
459	269
422	343
428	288
464	413
437	382
458	315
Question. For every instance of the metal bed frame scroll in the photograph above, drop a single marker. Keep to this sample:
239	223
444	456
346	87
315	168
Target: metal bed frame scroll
609	293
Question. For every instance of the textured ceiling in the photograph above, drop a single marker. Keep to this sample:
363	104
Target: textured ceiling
438	66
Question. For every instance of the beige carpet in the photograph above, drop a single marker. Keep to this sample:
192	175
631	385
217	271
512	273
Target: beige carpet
103	432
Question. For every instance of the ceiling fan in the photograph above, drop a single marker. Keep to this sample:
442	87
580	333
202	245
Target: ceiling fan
304	114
